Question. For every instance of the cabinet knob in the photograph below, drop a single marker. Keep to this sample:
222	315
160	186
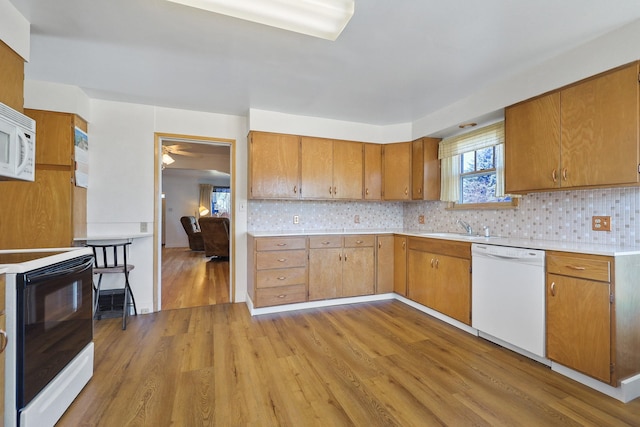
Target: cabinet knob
335	191
419	190
406	191
432	261
379	244
366	191
329	190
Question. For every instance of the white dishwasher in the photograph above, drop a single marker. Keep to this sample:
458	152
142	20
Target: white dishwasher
508	296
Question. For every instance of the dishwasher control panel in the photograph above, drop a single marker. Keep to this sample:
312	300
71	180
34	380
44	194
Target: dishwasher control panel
507	252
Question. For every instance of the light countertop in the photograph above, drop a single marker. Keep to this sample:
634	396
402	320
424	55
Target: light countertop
548	245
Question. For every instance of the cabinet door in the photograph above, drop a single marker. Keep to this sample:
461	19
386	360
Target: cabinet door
358	271
372	171
3	327
450	291
37	214
274	166
532	144
316	168
425	169
397	171
420	275
54	136
579	325
384	264
400	265
347	170
600	130
325	273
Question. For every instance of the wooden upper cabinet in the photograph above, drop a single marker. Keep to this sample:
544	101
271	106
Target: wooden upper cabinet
532	148
347	170
331	169
397	171
584	135
58	208
274	166
425	169
11	78
600	130
372	171
52	128
317	168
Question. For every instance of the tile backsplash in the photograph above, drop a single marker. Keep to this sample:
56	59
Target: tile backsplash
561	216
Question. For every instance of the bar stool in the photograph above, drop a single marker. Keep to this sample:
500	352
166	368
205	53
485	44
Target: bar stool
111	258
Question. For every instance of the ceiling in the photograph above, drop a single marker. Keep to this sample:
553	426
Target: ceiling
396	61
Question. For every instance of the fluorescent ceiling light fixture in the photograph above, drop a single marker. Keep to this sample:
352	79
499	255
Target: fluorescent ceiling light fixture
319	18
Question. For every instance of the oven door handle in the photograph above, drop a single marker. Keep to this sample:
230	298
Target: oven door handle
86	264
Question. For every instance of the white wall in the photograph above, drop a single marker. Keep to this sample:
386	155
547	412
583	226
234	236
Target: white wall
609	51
121	184
15	29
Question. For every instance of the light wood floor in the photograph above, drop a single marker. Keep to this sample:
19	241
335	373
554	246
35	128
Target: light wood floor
189	279
369	364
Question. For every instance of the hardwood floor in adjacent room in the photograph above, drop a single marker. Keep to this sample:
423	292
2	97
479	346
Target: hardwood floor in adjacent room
189	279
368	364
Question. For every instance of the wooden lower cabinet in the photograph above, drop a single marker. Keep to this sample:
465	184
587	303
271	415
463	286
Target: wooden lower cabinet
341	266
593	309
400	265
384	264
278	270
439	276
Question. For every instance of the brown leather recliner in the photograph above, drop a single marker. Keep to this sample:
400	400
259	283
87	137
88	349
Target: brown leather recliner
195	236
215	233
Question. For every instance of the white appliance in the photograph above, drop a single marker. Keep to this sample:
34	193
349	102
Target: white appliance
17	145
50	401
508	297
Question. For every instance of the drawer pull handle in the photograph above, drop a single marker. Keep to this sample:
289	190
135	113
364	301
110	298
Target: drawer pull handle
553	289
576	267
5	340
432	260
282	259
325	243
366	191
379	244
295	189
281	277
281	244
564	174
358	242
282	296
554	176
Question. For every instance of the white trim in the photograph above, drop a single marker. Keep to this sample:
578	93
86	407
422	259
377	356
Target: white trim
314	304
629	389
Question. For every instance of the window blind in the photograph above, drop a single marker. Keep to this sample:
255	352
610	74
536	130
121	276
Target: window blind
475	140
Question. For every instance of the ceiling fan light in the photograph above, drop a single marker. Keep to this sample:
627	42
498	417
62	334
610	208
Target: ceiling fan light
319	18
167	159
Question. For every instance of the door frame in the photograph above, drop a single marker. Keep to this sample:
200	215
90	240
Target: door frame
157	210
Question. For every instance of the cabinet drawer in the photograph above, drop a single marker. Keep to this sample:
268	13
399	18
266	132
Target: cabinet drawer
280	259
281	295
318	242
582	266
280	243
281	277
359	241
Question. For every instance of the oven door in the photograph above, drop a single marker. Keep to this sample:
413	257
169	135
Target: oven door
54	322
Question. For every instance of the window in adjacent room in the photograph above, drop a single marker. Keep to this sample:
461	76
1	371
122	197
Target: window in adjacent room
473	169
221	201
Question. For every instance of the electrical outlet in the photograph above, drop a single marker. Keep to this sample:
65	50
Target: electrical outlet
601	223
143	227
296	219
356	219
420	219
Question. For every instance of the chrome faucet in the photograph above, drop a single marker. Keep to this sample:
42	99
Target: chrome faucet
466	226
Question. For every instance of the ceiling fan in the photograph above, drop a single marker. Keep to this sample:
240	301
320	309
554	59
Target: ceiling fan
176	150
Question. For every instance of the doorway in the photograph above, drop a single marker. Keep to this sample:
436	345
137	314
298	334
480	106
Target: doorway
185	276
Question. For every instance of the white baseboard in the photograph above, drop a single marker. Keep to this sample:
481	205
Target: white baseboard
629	389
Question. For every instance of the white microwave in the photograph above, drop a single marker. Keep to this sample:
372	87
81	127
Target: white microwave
17	145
